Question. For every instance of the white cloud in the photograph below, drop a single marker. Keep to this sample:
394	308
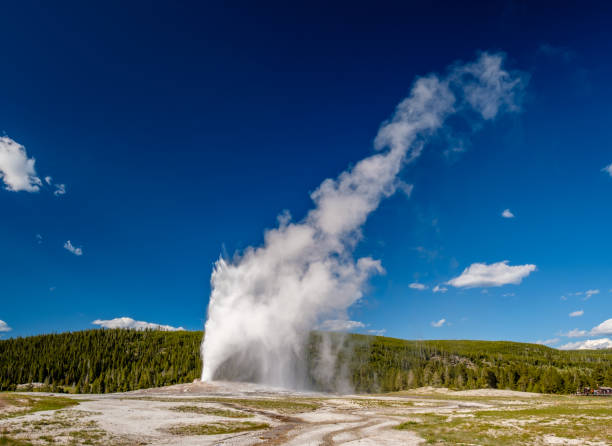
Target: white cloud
378	332
588	344
552	341
405	188
589	293
439	289
60	189
575	333
507	214
508	294
76	251
576	313
18	172
494	89
417	286
16	169
4	326
608	169
128	322
439	323
339	325
495	274
604	328
39	239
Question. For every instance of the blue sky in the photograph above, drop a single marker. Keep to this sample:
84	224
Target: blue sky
179	132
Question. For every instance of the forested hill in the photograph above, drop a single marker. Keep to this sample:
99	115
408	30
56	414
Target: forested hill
101	361
120	360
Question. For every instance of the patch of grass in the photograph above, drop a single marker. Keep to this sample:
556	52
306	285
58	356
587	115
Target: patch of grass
515	427
437	429
550	411
26	404
286	406
283	406
86	437
8	441
368	402
217	428
212	411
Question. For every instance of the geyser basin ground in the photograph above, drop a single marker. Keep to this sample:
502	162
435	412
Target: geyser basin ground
247	414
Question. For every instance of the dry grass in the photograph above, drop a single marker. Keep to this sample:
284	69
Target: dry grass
212	411
285	406
586	420
217	428
15	404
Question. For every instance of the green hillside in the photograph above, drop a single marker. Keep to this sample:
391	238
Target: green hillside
100	361
120	360
387	364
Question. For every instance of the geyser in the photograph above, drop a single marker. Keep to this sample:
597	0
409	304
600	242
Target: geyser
265	301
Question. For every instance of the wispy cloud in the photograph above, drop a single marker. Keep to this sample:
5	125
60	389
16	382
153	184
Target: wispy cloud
73	249
39	239
608	169
60	189
588	344
417	286
494	89
552	341
380	332
493	275
576	313
565	54
438	324
575	333
589	293
507	214
339	325
128	322
405	188
439	289
4	327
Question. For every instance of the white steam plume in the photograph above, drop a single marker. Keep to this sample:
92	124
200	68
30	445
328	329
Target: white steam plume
265	302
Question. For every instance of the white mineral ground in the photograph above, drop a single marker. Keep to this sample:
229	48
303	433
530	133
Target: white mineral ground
143	417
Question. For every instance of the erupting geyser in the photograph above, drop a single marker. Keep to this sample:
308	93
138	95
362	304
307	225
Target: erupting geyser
265	301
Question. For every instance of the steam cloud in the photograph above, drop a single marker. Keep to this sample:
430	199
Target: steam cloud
265	301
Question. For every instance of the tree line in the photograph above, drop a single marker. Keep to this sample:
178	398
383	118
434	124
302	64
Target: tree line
118	360
386	364
101	361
